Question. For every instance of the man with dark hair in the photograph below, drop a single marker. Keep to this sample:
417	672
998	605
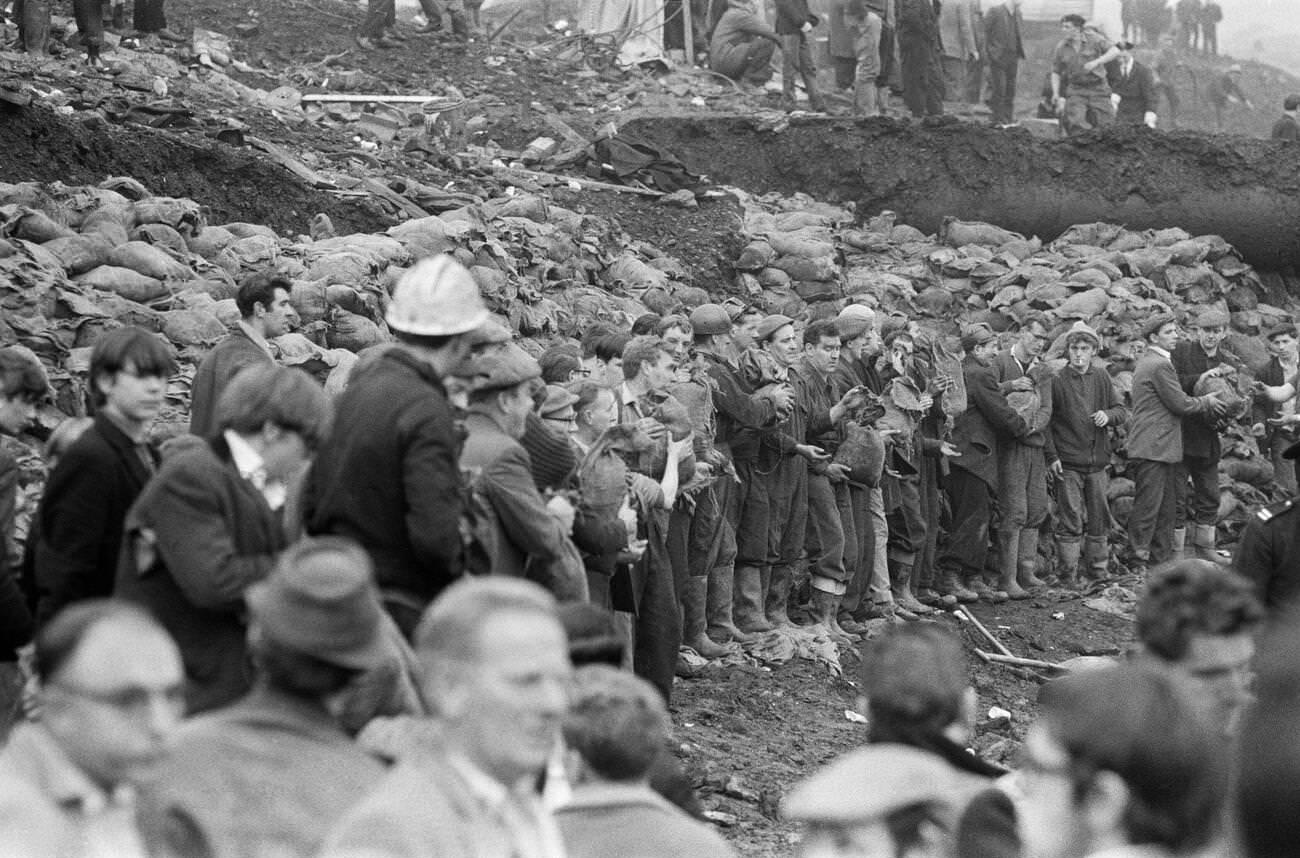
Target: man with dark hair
266	312
388	476
494	665
741	45
1200	618
1274	408
209	525
608	353
1225	89
562	364
1079	90
1286	128
616	729
1121	763
315	626
1133	91
110	699
1155	442
92	487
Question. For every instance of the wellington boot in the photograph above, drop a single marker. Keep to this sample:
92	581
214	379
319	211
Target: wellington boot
1027	573
825	614
951	584
1097	551
1178	550
851	625
119	19
749	599
1009	585
777	604
460	26
694	596
1203	542
719	606
901	587
1068	552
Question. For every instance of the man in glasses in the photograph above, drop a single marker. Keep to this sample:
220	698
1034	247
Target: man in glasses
111	697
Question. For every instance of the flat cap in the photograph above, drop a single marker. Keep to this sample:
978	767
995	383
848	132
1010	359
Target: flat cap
504	367
770	325
870	783
1082	328
1212	317
976	335
1155	323
558	403
851	327
1279	330
710	319
490	333
858	311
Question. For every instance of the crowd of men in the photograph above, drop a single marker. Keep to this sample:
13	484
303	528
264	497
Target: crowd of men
350	627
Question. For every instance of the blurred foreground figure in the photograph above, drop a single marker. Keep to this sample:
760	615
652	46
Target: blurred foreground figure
495	668
616	730
1120	764
110	699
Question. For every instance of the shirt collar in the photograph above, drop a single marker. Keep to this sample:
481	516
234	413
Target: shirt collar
247	460
66	784
481	785
1164	354
257	338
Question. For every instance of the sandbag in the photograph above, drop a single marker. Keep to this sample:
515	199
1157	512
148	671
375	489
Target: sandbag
150	261
184	216
80	253
955	233
352	332
805	243
162	235
193	327
801	268
426	236
635	274
210	241
863	452
126	282
344	266
34	225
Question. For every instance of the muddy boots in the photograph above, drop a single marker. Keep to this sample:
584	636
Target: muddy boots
719	605
950	584
825	613
459	25
1067	562
906	605
1203	539
1096	553
1178	548
777	605
694	619
1028	556
750	601
1009	565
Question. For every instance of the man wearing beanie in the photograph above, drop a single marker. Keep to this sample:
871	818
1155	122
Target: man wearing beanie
1155	442
1194	360
973	478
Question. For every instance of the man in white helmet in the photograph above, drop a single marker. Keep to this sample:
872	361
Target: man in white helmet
388	475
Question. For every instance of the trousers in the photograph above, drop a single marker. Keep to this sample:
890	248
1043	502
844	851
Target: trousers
1151	523
971	500
1081	505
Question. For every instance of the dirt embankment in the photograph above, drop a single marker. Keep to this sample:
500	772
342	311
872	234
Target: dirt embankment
1247	191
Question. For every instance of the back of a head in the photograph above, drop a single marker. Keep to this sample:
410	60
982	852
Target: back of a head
58	639
282	396
450	629
617	722
593	634
1292	102
1268	767
914	679
1194	597
1140	723
21	375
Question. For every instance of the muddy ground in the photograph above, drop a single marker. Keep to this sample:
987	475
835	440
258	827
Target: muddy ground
746	734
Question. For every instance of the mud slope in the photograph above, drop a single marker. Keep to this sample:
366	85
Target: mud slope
1246	190
234	184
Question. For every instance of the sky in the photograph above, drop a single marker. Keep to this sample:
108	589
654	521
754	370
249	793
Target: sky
1266	30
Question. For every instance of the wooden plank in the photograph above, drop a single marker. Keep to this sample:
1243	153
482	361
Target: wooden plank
590	184
985	632
282	157
565	130
361	98
404	205
1033	663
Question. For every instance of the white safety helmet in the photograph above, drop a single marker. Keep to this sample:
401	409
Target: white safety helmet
437	297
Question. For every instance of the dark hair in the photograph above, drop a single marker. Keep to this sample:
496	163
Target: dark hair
559	362
896	335
914	678
296	672
639	352
1191	597
260	288
1292	102
1074	21
284	397
59	638
592	335
612	345
617	722
21	376
646	323
424	341
674	322
820	330
593	634
146	353
587	392
1140	723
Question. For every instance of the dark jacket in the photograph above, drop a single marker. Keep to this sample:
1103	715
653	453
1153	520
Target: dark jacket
81	513
1286	128
1200	432
740	416
1003	44
16	627
388	476
214	536
219	366
1268	554
1159	406
975	431
917	18
791	15
1074	440
1137	93
1006	368
815	395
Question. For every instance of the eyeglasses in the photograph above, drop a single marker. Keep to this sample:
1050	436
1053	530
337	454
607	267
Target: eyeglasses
133	700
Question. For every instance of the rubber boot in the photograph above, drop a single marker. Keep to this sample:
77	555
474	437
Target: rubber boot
950	584
1203	539
719	605
749	613
825	612
1008	571
1179	550
1097	551
694	619
1027	574
777	603
460	26
901	586
1067	553
119	19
